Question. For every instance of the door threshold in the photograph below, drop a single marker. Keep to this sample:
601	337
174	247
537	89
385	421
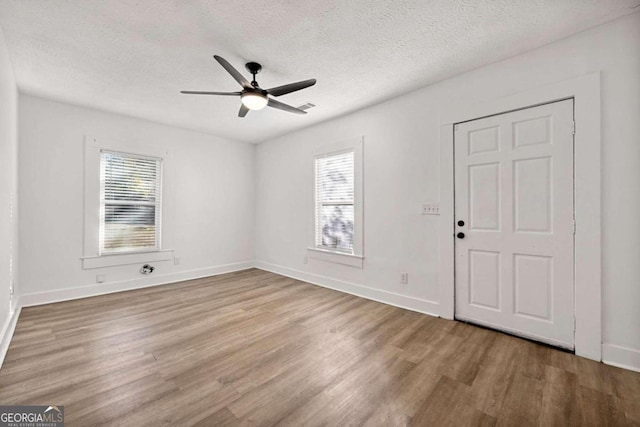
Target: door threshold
514	334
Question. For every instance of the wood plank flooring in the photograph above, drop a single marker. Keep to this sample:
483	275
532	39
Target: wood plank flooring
256	348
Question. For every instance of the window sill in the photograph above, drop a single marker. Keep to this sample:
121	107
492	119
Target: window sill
336	257
113	260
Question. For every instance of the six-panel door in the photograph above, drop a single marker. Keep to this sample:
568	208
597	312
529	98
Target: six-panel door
514	193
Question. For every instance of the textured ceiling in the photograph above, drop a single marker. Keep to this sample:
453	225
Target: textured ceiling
133	57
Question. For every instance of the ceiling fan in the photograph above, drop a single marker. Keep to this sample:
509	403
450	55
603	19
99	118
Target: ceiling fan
252	96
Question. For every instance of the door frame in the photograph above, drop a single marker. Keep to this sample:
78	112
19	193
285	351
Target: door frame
585	91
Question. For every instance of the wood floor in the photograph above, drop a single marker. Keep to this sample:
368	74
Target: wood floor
256	348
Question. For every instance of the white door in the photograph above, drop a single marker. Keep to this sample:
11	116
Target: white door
514	222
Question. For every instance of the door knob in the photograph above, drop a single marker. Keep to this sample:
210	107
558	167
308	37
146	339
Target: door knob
460	223
460	235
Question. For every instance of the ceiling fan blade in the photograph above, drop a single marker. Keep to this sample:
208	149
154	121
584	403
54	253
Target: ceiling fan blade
284	107
243	111
291	87
197	92
234	73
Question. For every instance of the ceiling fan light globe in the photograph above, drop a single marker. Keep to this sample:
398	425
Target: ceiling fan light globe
254	101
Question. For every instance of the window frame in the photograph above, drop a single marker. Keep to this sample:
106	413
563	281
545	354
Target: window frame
323	253
91	257
157	204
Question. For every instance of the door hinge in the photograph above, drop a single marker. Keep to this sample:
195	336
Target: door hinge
574	323
574	226
574	127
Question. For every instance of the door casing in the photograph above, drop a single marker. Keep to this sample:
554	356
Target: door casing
585	91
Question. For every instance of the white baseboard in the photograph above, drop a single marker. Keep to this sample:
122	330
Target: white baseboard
58	295
622	357
8	328
410	303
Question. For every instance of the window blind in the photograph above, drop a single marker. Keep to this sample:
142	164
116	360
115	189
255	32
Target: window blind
129	202
335	201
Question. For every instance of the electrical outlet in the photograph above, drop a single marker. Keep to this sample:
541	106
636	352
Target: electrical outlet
431	209
100	278
177	260
305	260
404	278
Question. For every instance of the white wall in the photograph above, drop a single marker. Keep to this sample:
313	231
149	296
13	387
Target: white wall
8	184
213	182
401	171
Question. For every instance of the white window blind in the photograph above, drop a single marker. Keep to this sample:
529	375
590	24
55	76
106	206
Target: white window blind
130	205
335	201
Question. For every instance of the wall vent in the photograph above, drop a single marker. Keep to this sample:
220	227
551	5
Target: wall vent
307	106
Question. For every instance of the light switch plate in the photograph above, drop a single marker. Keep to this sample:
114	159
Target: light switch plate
431	209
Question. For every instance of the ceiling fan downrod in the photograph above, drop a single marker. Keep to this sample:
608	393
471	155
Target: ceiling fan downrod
254	68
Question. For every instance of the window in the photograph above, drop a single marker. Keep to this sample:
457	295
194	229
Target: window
335	213
130	202
337	232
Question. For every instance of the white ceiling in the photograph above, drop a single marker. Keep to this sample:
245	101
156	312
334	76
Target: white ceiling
134	56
